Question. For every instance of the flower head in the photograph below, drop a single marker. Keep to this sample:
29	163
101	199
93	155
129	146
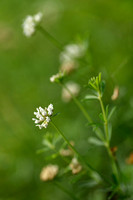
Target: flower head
29	24
43	116
49	172
57	77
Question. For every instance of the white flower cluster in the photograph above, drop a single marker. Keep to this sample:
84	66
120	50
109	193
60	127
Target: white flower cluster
43	116
57	77
49	172
73	51
69	55
29	25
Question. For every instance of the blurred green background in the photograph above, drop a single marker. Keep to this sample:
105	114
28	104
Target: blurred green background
25	68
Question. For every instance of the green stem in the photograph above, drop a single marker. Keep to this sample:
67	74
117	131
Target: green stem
54	41
114	166
105	119
91	169
77	102
65	190
50	37
83	110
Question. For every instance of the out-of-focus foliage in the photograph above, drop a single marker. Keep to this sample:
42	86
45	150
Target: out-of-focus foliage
25	68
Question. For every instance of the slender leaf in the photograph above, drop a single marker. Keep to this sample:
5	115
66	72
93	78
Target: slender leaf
110	131
48	144
111	113
102	87
99	133
58	113
95	141
107	110
89	97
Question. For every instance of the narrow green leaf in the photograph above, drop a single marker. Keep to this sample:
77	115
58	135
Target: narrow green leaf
88	184
107	110
48	144
56	140
111	113
99	77
92	85
102	87
97	82
89	97
110	131
56	114
95	141
99	133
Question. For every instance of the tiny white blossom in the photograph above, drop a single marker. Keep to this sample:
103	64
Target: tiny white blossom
50	106
57	77
50	109
43	116
38	17
48	119
43	111
74	88
29	24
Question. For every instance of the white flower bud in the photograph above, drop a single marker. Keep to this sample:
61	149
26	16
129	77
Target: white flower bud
75	166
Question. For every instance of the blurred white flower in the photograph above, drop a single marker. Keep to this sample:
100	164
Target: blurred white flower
115	94
74	88
57	77
72	52
66	152
29	25
38	17
49	172
43	116
75	166
68	67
